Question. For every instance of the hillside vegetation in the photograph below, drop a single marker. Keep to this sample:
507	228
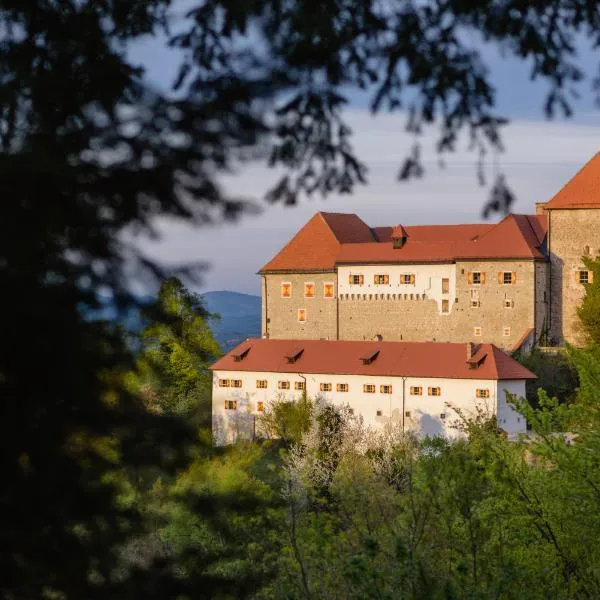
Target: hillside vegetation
331	509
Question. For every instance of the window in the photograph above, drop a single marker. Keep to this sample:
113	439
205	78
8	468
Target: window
236	383
445	306
230	404
301	315
325	387
407	414
434	391
475	299
381	279
299	386
261	384
477	331
260	406
356	279
283	385
587	250
309	290
368	388
445	285
342	387
416	390
286	290
584	277
507	277
476	277
328	288
407	279
379	413
482	393
506	331
509	303
224	383
385	389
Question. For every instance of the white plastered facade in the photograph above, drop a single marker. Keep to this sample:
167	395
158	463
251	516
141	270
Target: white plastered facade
426	415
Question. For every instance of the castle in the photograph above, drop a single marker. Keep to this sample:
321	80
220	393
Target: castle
407	325
513	284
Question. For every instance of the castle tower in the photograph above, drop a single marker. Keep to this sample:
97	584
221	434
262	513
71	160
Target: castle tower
573	232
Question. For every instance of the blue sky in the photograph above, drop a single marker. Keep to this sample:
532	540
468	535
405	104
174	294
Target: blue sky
540	156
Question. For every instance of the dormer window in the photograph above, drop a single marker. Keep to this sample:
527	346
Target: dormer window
294	354
368	358
399	236
238	356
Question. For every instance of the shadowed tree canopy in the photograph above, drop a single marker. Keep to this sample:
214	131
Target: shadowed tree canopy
87	149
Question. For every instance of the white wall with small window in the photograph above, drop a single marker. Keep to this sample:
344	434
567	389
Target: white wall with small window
436	281
423	405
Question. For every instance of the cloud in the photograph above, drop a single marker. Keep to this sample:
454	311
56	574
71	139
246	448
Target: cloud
540	157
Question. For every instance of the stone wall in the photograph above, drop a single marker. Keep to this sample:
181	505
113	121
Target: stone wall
280	315
542	301
570	232
418	319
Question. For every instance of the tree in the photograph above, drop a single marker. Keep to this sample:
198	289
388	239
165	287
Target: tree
88	151
556	375
177	349
589	311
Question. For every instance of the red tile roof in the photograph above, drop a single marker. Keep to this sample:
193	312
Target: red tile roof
329	239
394	359
516	237
316	245
582	190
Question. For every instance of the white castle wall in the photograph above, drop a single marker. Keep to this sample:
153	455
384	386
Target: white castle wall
421	414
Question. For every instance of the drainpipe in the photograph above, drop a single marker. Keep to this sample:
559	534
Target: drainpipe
304	378
266	306
403	401
549	315
337	310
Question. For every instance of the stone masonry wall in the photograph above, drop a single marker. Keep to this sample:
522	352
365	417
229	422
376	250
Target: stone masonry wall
280	315
400	317
570	232
420	320
542	300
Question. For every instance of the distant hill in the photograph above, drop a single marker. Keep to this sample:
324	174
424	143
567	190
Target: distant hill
240	316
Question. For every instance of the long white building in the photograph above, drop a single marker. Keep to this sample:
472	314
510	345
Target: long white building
416	385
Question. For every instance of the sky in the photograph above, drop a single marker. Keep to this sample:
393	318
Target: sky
540	156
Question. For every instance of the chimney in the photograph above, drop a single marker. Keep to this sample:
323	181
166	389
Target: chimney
540	208
470	349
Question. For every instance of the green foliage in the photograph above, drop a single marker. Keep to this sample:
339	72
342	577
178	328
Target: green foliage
556	375
589	310
285	420
177	349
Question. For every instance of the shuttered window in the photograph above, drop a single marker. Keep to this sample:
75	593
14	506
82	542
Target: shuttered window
476	277
507	277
